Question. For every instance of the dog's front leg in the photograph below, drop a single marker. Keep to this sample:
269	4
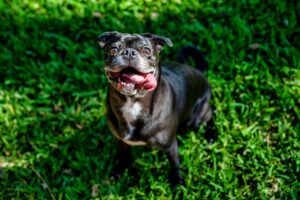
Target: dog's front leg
123	158
173	156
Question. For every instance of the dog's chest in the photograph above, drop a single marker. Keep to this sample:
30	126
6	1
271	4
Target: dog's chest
131	110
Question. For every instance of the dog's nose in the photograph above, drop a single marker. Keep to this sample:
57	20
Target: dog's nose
130	53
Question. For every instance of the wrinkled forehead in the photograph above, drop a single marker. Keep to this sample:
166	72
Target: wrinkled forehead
135	41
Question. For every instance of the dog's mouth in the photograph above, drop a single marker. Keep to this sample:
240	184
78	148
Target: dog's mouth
129	80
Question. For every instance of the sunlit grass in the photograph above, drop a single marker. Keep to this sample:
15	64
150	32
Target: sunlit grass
54	141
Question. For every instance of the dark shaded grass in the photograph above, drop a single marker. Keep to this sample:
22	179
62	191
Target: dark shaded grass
52	94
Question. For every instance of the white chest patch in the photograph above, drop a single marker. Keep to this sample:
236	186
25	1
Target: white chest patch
131	110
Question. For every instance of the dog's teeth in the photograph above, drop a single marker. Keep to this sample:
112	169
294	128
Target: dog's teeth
131	85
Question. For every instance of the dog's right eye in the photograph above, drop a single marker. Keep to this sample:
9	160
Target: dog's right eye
113	51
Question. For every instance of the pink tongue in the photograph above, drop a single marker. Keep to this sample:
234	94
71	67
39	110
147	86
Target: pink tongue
136	78
147	81
150	82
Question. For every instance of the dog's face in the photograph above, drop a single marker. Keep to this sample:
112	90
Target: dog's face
132	61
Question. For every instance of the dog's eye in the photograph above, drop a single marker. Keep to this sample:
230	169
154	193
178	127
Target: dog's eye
113	51
146	51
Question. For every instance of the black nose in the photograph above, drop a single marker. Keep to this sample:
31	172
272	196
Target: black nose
130	53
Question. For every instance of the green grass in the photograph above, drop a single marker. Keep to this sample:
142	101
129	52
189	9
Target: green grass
54	142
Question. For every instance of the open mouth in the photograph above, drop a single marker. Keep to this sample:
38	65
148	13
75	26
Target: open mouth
129	80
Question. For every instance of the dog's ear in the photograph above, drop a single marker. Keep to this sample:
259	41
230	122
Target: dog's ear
158	41
107	37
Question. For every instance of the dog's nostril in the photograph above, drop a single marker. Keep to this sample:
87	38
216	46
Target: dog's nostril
133	53
130	52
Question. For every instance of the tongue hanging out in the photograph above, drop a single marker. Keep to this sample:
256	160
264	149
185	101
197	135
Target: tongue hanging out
146	81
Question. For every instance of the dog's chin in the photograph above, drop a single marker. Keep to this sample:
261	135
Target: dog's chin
128	89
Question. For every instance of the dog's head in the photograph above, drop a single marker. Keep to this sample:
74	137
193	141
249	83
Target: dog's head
132	61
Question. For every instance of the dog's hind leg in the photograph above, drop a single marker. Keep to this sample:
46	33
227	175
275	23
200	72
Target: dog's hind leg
202	113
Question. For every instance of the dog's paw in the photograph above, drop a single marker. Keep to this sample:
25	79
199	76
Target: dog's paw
117	172
114	176
176	180
211	134
177	187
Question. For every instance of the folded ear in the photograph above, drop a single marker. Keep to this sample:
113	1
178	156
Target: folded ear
158	41
107	37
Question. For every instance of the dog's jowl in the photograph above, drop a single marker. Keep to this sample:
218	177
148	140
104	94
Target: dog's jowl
147	101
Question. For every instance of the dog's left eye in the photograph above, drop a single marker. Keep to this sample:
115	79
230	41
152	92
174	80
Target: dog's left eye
113	51
146	51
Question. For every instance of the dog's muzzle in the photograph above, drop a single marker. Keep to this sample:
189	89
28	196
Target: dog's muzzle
130	81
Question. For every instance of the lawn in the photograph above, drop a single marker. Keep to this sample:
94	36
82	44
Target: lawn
54	141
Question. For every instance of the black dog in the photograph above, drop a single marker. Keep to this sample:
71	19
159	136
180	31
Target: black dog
147	102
